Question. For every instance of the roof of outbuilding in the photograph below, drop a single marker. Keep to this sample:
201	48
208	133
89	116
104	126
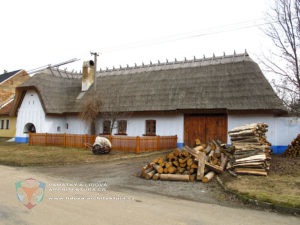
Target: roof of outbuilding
229	82
7	75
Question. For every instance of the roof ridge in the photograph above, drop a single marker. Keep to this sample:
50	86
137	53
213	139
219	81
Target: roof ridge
199	61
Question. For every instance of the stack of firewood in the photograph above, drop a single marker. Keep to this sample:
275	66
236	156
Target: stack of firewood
199	163
252	150
293	149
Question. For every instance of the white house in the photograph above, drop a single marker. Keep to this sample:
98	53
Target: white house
199	98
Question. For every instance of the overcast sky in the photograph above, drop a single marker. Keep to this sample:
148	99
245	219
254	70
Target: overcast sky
35	33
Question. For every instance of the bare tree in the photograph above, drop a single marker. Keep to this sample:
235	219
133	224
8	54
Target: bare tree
284	31
90	112
113	109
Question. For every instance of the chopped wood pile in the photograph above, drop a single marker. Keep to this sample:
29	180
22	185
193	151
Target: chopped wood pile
252	150
293	149
202	163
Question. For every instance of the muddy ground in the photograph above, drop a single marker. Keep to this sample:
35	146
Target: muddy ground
122	175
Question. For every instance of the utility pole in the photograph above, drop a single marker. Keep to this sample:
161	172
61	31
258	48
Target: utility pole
95	54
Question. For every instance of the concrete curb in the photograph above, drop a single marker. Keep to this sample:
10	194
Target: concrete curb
255	202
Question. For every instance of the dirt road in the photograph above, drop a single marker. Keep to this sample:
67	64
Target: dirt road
113	195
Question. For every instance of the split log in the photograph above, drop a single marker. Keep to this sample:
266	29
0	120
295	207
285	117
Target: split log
224	160
201	165
191	151
175	177
198	148
208	176
215	168
149	175
158	168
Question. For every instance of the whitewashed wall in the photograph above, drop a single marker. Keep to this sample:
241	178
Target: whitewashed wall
165	125
30	111
281	131
76	125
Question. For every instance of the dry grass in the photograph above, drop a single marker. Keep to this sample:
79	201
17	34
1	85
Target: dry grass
280	187
14	154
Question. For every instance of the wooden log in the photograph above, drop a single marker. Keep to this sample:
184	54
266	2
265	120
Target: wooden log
171	169
198	148
181	161
184	153
174	177
254	157
197	142
192	178
176	152
260	172
175	163
224	160
215	168
189	162
180	170
149	175
158	168
201	165
156	176
194	166
208	148
160	160
191	151
165	170
168	164
208	177
182	165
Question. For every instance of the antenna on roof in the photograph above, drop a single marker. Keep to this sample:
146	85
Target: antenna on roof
49	65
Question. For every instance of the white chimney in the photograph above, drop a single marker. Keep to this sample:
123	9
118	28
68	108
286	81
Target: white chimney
88	69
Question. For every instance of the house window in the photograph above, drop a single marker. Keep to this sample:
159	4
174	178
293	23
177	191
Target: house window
151	127
2	124
106	126
122	126
67	126
7	124
58	129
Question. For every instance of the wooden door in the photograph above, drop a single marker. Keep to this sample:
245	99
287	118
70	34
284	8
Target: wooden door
204	127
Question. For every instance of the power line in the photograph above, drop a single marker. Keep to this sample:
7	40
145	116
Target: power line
189	35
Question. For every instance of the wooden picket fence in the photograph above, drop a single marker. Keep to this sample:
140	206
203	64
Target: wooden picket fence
121	143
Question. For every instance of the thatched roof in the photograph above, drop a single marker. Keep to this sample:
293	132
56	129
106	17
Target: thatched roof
228	83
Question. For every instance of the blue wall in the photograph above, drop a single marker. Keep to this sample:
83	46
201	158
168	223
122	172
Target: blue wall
21	139
278	149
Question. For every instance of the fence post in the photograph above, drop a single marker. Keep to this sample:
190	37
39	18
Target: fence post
46	139
65	140
30	139
158	142
138	148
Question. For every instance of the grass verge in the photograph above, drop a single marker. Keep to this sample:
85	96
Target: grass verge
280	188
